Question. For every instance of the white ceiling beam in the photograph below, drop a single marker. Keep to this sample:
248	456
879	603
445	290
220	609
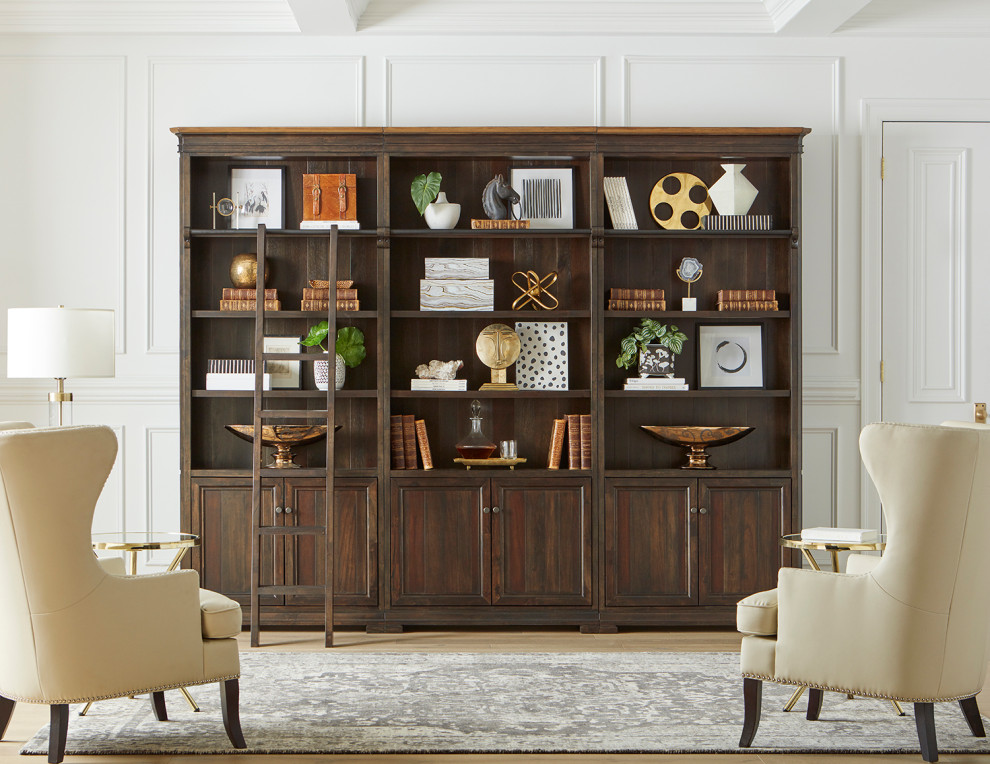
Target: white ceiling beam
328	17
811	18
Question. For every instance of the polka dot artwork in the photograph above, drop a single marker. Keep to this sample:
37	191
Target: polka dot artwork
542	363
679	201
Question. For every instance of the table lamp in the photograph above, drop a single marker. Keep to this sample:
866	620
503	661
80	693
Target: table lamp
60	342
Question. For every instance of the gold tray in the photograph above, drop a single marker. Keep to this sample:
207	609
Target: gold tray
494	462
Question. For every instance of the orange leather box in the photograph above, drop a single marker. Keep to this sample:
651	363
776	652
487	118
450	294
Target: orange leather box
328	196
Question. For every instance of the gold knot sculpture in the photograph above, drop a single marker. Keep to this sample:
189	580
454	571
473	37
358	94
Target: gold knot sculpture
533	289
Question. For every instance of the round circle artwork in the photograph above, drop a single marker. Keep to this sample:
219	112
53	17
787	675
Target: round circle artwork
679	201
730	356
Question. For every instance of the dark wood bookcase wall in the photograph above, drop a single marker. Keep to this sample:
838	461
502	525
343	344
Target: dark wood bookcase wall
634	540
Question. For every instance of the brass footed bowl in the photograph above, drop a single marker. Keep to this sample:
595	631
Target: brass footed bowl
696	440
283	437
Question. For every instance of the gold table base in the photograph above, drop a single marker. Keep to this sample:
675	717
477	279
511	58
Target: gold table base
132	567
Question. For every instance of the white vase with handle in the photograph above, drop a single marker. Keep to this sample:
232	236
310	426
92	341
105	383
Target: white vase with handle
733	194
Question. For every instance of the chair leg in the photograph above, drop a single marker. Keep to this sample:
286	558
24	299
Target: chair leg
57	732
815	698
6	710
924	718
753	705
158	706
229	700
973	718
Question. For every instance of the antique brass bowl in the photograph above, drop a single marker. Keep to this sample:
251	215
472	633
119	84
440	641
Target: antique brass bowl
696	440
283	437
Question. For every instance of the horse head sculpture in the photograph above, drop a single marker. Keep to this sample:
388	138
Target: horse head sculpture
497	199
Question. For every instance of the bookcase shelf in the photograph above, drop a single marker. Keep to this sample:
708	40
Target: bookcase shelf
616	541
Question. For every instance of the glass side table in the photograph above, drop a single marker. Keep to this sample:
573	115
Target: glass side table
132	542
794	541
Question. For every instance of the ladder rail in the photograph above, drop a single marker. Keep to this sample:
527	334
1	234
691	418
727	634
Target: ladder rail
329	557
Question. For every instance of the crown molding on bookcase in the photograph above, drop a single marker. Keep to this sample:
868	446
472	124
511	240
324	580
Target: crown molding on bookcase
119	390
146	17
823	391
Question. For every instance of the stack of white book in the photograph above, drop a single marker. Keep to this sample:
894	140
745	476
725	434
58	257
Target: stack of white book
438	385
655	383
840	535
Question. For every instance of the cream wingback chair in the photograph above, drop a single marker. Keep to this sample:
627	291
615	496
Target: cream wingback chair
69	631
913	626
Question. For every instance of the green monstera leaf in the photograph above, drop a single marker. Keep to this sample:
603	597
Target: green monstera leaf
424	190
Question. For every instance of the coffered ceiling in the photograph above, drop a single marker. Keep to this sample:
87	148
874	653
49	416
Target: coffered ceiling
808	18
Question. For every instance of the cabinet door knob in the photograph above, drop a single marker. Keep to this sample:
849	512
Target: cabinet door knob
496	510
278	510
694	510
288	510
703	511
486	510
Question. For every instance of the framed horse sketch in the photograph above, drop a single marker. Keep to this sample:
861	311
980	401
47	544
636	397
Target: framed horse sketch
546	196
257	195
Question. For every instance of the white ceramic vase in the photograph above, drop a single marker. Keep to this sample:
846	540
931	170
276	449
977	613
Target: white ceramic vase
321	371
733	194
441	214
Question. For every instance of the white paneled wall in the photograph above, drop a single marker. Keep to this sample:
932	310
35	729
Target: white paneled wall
90	183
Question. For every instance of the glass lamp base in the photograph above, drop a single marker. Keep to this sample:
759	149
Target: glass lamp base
59	413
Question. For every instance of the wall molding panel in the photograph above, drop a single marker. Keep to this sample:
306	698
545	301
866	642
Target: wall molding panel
161	449
111	508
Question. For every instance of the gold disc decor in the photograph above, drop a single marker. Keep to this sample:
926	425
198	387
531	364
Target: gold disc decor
498	347
244	271
679	201
534	290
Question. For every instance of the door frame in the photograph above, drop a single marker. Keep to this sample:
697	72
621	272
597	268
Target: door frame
873	113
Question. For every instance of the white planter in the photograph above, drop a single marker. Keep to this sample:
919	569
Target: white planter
441	214
733	194
321	370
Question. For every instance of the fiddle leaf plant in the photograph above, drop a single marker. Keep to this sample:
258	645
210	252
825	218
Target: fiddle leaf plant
349	345
649	332
424	190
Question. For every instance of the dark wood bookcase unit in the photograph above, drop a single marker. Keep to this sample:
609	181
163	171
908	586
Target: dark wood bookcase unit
635	539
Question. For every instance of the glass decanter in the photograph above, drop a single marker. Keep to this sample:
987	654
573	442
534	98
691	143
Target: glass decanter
475	445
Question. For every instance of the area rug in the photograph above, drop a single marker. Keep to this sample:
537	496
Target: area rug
332	702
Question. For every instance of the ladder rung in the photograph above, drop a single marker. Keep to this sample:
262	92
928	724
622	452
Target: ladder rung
291	590
294	413
294	356
292	530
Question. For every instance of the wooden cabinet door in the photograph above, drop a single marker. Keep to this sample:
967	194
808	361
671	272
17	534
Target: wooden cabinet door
221	516
740	526
441	542
541	541
650	542
355	540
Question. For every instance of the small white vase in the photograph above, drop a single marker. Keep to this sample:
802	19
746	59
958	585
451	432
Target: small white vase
321	371
441	214
733	194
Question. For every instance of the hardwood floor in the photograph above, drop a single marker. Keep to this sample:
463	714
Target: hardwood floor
28	718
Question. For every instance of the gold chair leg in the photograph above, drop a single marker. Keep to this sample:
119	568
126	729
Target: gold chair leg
189	699
86	708
794	698
897	707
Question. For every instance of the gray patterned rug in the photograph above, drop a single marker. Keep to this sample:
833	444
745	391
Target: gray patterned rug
332	702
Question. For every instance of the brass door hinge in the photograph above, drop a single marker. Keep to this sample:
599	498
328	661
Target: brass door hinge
881	372
883	167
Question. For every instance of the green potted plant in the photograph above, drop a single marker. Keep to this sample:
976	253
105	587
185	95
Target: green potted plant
653	345
432	202
349	347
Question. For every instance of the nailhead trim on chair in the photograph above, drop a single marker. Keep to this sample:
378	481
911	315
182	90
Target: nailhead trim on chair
125	693
862	693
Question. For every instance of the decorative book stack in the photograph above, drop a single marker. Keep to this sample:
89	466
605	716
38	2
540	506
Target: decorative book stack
405	433
840	535
737	223
655	383
620	207
747	299
438	385
246	299
575	429
233	374
636	299
457	283
317	296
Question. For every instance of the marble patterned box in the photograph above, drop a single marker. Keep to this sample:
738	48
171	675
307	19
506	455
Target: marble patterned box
457	267
542	363
456	294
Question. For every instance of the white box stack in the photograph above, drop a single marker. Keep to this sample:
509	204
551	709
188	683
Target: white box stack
457	283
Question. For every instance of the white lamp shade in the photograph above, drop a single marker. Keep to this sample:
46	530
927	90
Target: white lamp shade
60	342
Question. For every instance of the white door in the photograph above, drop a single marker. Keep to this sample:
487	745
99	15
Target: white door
936	270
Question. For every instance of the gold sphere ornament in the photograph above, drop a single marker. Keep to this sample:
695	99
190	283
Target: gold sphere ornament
244	271
679	201
498	347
